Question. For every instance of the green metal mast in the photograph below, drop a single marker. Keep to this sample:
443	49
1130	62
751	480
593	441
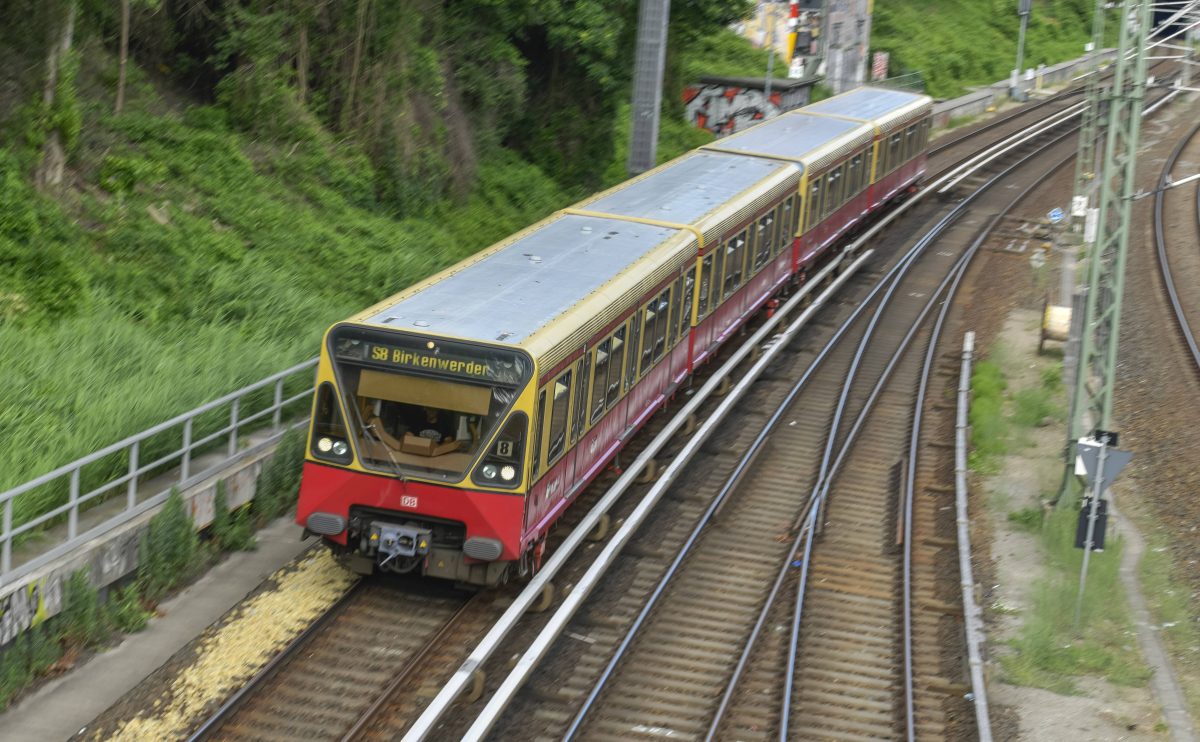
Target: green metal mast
1096	369
1085	161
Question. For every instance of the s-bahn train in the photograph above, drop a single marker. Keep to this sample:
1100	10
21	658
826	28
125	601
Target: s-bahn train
455	422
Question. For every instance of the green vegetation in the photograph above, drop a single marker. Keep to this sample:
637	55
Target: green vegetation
1169	597
989	428
958	43
1049	653
201	240
278	483
725	53
167	554
230	531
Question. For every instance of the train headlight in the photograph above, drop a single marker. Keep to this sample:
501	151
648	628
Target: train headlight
325	445
340	448
508	473
488	471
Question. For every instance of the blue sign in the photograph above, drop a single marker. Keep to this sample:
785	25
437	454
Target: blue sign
1056	215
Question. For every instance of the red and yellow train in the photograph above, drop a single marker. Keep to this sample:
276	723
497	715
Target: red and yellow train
455	422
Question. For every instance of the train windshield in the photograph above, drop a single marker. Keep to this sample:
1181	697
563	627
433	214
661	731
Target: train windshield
423	406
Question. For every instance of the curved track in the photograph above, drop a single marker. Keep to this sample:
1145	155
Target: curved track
673	673
722	584
1179	256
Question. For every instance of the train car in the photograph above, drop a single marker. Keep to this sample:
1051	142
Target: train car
455	422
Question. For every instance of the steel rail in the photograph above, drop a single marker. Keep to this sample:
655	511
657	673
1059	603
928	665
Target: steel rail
448	693
213	723
533	655
542	580
1160	239
821	490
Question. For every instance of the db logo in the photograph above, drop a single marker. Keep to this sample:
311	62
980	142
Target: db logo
408	501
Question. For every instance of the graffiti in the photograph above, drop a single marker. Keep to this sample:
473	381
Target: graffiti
725	109
29	606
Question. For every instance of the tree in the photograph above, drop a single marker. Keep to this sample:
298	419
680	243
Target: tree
125	10
59	79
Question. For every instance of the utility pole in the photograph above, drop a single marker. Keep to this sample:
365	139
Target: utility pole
1023	9
1095	373
649	60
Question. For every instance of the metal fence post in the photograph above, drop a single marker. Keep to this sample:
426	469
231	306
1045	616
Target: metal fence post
277	418
73	513
6	550
186	464
233	423
133	467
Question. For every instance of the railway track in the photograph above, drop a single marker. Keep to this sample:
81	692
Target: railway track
390	712
666	671
314	689
1178	246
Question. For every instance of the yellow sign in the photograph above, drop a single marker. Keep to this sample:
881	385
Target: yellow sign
428	361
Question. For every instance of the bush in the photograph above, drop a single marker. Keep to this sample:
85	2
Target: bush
124	610
230	531
989	429
81	622
278	484
168	549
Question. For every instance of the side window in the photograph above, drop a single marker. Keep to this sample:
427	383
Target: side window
894	151
797	210
735	251
631	355
600	379
854	179
814	202
648	330
558	418
676	297
766	238
706	273
616	365
663	310
685	314
579	425
830	189
785	223
537	436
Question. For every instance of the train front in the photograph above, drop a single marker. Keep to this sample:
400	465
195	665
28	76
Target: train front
416	454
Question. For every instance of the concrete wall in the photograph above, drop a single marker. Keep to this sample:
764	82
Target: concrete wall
977	102
29	601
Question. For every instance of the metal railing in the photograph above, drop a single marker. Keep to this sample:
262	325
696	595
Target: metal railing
218	427
972	614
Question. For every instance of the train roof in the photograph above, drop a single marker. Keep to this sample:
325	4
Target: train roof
686	190
525	282
866	104
794	136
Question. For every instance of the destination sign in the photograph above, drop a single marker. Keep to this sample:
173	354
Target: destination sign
430	356
428	361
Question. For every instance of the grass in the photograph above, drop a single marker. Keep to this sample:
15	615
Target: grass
1048	653
955	44
989	426
1170	600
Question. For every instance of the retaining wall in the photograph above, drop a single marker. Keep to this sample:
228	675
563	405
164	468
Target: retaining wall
979	101
29	601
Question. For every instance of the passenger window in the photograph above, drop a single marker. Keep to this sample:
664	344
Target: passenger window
600	379
814	202
766	238
706	272
648	337
581	385
785	221
894	151
794	228
663	310
631	355
537	435
558	418
685	314
617	352
734	256
676	296
831	194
